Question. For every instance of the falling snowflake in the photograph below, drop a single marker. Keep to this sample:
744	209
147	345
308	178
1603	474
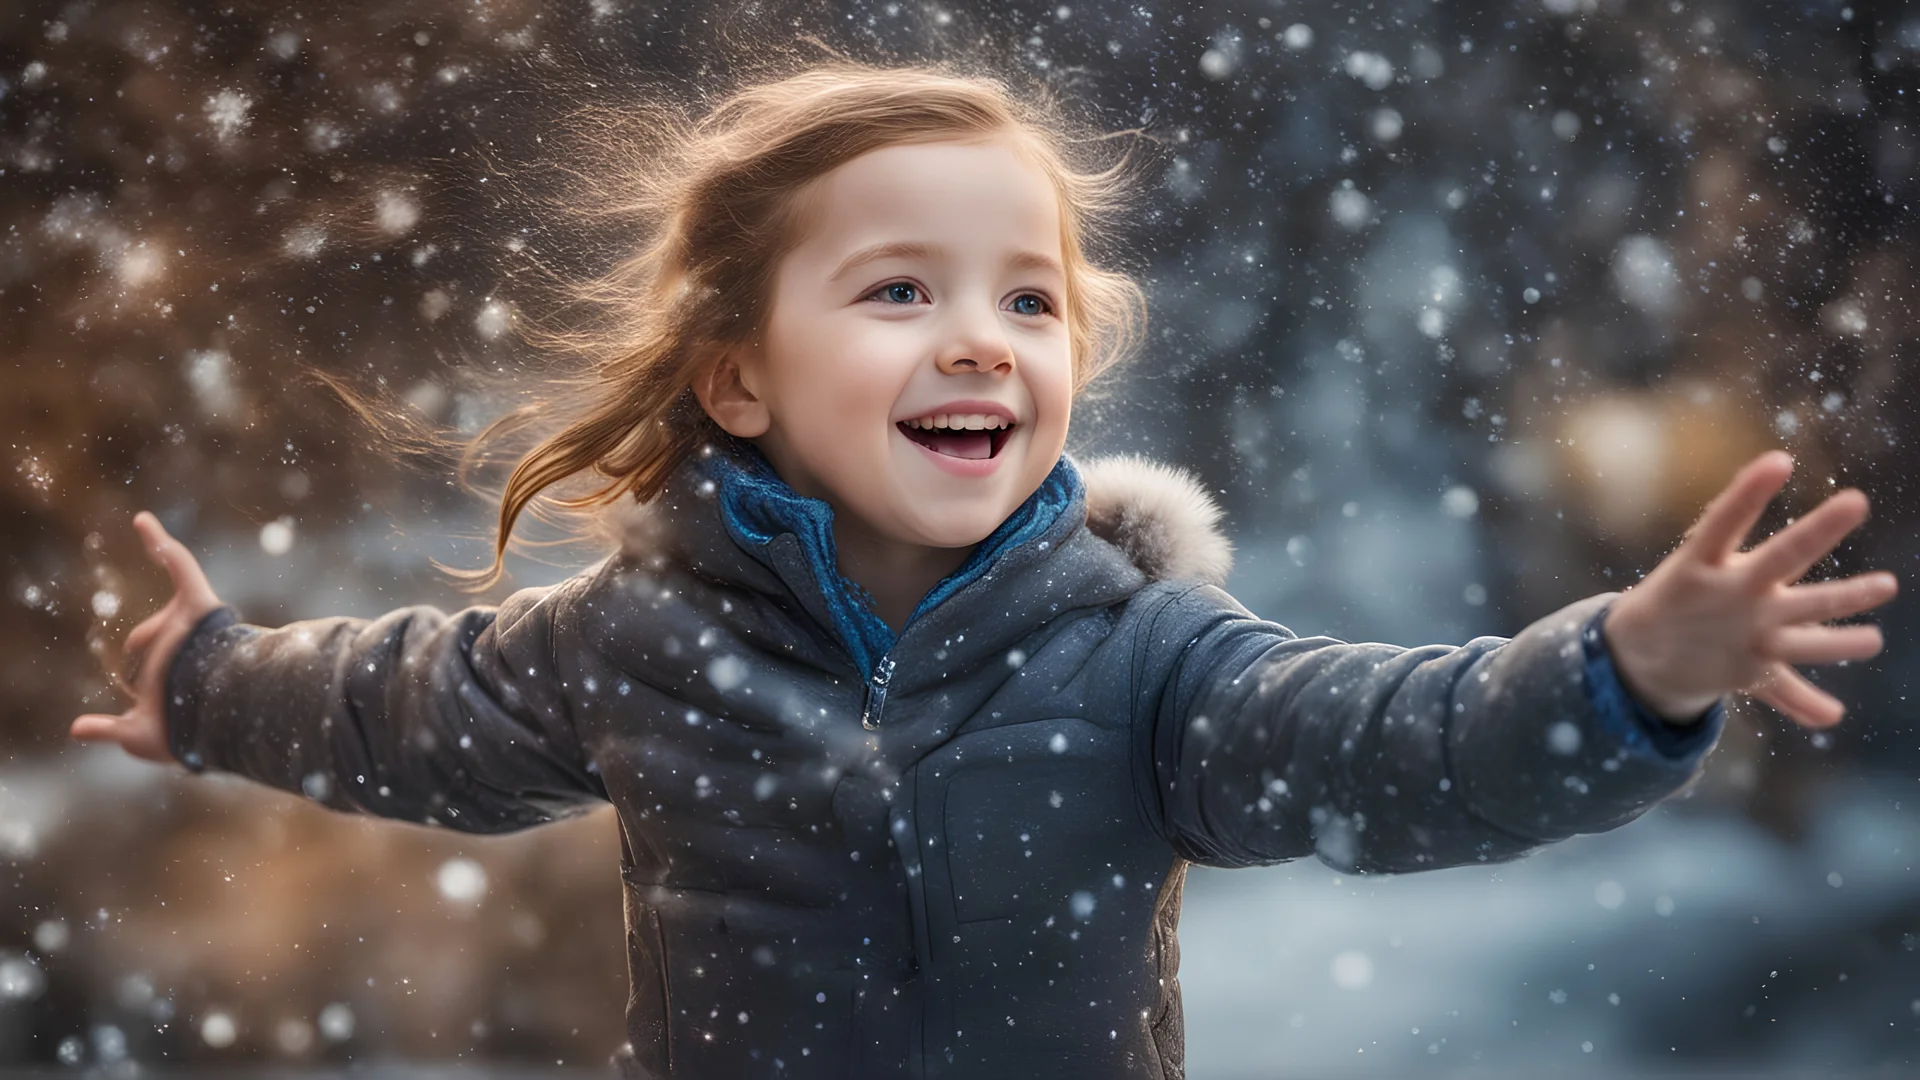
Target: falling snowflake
227	112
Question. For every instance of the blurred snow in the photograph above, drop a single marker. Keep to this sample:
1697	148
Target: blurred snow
461	881
1643	272
227	112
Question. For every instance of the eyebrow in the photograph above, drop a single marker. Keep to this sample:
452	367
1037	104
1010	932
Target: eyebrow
906	249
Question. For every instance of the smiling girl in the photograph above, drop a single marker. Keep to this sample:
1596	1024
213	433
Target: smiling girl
912	723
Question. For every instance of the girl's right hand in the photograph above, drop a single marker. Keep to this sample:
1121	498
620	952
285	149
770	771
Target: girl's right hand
151	647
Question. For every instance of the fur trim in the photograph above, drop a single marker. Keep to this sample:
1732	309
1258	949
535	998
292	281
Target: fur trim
1158	516
638	529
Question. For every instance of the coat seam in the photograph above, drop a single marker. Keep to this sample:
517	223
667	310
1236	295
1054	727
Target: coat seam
1447	759
1147	745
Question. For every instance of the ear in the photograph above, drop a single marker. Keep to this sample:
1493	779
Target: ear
722	387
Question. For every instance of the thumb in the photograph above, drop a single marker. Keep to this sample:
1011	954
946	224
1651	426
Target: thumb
189	581
95	726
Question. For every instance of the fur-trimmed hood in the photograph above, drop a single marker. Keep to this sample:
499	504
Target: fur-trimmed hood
1159	516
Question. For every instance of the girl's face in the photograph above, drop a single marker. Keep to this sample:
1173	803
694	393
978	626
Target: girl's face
915	369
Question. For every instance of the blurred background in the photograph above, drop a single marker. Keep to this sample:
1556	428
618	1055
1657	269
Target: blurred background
1463	308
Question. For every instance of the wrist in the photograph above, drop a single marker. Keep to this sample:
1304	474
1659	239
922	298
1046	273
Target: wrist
1633	671
1679	711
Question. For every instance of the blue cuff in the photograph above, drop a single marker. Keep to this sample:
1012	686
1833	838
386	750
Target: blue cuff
1622	714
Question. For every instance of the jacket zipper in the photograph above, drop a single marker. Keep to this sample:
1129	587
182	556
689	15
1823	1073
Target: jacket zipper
876	694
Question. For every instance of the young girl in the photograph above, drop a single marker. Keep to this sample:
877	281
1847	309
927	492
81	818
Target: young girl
912	722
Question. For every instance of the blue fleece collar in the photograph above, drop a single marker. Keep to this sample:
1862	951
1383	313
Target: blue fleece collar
758	505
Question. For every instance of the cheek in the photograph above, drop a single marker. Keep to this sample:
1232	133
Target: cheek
835	375
860	397
841	405
1052	388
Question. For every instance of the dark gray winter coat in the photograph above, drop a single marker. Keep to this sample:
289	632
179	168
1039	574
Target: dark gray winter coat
964	857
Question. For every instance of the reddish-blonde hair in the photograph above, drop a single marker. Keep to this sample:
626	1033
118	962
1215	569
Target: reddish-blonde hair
715	200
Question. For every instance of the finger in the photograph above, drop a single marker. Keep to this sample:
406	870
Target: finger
1732	513
94	726
148	676
1791	552
140	641
1823	600
182	567
141	636
1797	699
1822	644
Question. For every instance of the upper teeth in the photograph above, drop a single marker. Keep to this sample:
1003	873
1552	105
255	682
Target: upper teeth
957	421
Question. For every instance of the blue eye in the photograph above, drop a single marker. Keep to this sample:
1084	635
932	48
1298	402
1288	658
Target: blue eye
900	292
1042	307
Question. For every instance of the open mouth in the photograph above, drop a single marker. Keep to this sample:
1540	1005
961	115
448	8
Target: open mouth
969	443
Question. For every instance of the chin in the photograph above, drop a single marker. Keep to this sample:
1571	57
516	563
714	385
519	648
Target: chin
960	529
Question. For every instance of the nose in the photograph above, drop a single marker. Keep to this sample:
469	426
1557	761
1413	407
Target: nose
976	343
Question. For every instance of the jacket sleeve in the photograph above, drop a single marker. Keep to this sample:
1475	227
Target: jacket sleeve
458	720
1266	746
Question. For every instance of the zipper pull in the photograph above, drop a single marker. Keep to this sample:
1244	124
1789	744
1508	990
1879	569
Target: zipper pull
876	694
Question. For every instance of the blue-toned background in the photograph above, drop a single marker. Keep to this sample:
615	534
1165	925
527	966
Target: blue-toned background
1464	309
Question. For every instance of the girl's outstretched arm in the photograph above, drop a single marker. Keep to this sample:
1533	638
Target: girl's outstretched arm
1265	746
460	720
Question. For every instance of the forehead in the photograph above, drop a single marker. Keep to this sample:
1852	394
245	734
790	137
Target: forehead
959	195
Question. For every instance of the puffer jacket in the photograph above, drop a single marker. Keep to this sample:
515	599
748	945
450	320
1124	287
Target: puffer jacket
958	854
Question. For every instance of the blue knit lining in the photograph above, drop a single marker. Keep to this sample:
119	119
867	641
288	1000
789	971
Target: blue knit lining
758	506
1622	714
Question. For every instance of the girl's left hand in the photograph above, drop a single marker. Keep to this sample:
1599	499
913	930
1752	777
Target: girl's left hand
1711	618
